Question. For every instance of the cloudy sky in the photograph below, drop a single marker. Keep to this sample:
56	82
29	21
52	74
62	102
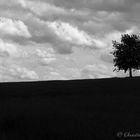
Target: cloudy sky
62	39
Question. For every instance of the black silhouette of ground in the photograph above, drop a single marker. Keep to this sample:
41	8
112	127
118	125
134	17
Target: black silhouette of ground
70	110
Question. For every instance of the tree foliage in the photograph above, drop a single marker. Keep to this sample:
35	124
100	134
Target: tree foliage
127	53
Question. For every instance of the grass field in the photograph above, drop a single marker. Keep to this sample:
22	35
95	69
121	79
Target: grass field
69	110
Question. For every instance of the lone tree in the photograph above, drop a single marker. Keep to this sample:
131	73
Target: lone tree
127	53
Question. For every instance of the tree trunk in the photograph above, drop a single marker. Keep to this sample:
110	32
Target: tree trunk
130	72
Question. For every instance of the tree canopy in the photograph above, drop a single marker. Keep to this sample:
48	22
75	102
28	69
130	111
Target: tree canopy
127	53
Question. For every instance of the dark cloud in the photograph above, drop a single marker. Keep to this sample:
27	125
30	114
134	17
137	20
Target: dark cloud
99	5
42	34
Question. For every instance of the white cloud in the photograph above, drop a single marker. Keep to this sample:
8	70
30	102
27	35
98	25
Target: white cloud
40	8
97	71
23	73
73	73
13	72
47	56
70	33
49	52
8	48
67	32
55	76
13	27
106	41
12	49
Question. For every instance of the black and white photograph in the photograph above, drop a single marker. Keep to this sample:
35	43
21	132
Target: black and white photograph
69	69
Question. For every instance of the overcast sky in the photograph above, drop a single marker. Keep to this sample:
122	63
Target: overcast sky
62	39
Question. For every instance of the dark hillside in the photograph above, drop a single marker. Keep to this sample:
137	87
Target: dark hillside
98	86
70	110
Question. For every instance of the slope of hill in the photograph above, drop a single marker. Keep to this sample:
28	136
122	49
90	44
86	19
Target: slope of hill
70	110
98	86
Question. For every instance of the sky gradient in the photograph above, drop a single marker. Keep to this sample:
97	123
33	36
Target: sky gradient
62	39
